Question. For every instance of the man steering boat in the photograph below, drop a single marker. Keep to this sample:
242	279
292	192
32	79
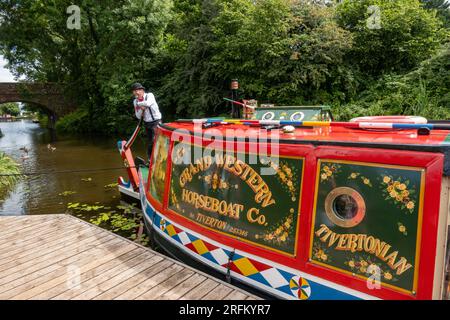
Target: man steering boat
146	107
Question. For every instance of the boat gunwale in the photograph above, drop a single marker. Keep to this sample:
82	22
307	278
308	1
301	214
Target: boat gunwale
434	148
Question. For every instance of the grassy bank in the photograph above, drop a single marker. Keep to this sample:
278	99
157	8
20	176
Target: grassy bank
7	167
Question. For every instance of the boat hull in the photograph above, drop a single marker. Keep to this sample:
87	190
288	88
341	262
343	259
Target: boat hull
176	253
265	278
318	222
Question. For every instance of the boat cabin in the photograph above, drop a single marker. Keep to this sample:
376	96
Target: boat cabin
320	211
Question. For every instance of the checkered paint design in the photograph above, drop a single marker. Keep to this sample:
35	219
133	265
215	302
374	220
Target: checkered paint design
262	273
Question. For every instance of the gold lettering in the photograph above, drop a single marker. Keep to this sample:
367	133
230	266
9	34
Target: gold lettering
334	237
361	239
390	259
367	247
383	253
341	244
322	229
378	247
402	266
250	213
362	242
326	236
352	242
238	167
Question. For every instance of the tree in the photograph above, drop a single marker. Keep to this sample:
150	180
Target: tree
10	108
404	35
116	45
442	7
281	51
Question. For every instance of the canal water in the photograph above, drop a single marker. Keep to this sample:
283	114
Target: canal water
51	192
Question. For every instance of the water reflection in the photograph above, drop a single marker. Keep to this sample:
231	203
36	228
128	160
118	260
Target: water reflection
39	194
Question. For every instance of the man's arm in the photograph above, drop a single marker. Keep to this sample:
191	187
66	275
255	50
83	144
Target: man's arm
149	102
137	110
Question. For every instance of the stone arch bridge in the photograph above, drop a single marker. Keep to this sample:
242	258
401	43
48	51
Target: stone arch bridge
48	96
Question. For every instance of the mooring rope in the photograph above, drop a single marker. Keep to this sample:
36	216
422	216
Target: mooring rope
64	171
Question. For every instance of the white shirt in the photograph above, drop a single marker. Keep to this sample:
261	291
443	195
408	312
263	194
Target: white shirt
151	112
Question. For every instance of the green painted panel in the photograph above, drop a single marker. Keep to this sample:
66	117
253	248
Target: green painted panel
367	221
225	193
158	177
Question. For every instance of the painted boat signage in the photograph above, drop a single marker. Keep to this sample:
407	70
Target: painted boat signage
158	175
367	221
230	194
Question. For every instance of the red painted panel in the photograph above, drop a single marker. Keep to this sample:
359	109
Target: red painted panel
434	166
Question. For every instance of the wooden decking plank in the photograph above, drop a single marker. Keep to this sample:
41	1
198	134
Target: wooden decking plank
19	247
55	257
23	227
142	282
218	293
22	234
48	290
38	276
114	281
166	285
64	235
105	276
45	275
38	253
184	287
13	226
200	291
25	221
41	269
33	255
9	221
236	295
21	239
62	288
135	283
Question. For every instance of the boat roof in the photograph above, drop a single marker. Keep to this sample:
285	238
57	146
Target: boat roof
324	108
436	141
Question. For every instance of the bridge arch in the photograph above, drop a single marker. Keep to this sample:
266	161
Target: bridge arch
48	96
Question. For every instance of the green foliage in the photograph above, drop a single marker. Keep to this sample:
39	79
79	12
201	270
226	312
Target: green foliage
407	34
424	91
111	186
10	108
117	45
76	122
279	51
125	221
442	7
8	167
66	193
187	51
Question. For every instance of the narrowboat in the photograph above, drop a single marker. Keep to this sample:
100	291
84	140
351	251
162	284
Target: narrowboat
297	206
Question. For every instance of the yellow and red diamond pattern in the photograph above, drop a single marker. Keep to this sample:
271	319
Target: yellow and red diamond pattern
257	271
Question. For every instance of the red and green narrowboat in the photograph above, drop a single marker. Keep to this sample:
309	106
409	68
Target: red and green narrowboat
301	208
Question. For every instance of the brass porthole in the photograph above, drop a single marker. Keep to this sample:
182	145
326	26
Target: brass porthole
297	116
345	207
268	116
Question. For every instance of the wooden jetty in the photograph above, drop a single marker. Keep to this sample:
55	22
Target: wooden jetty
62	257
